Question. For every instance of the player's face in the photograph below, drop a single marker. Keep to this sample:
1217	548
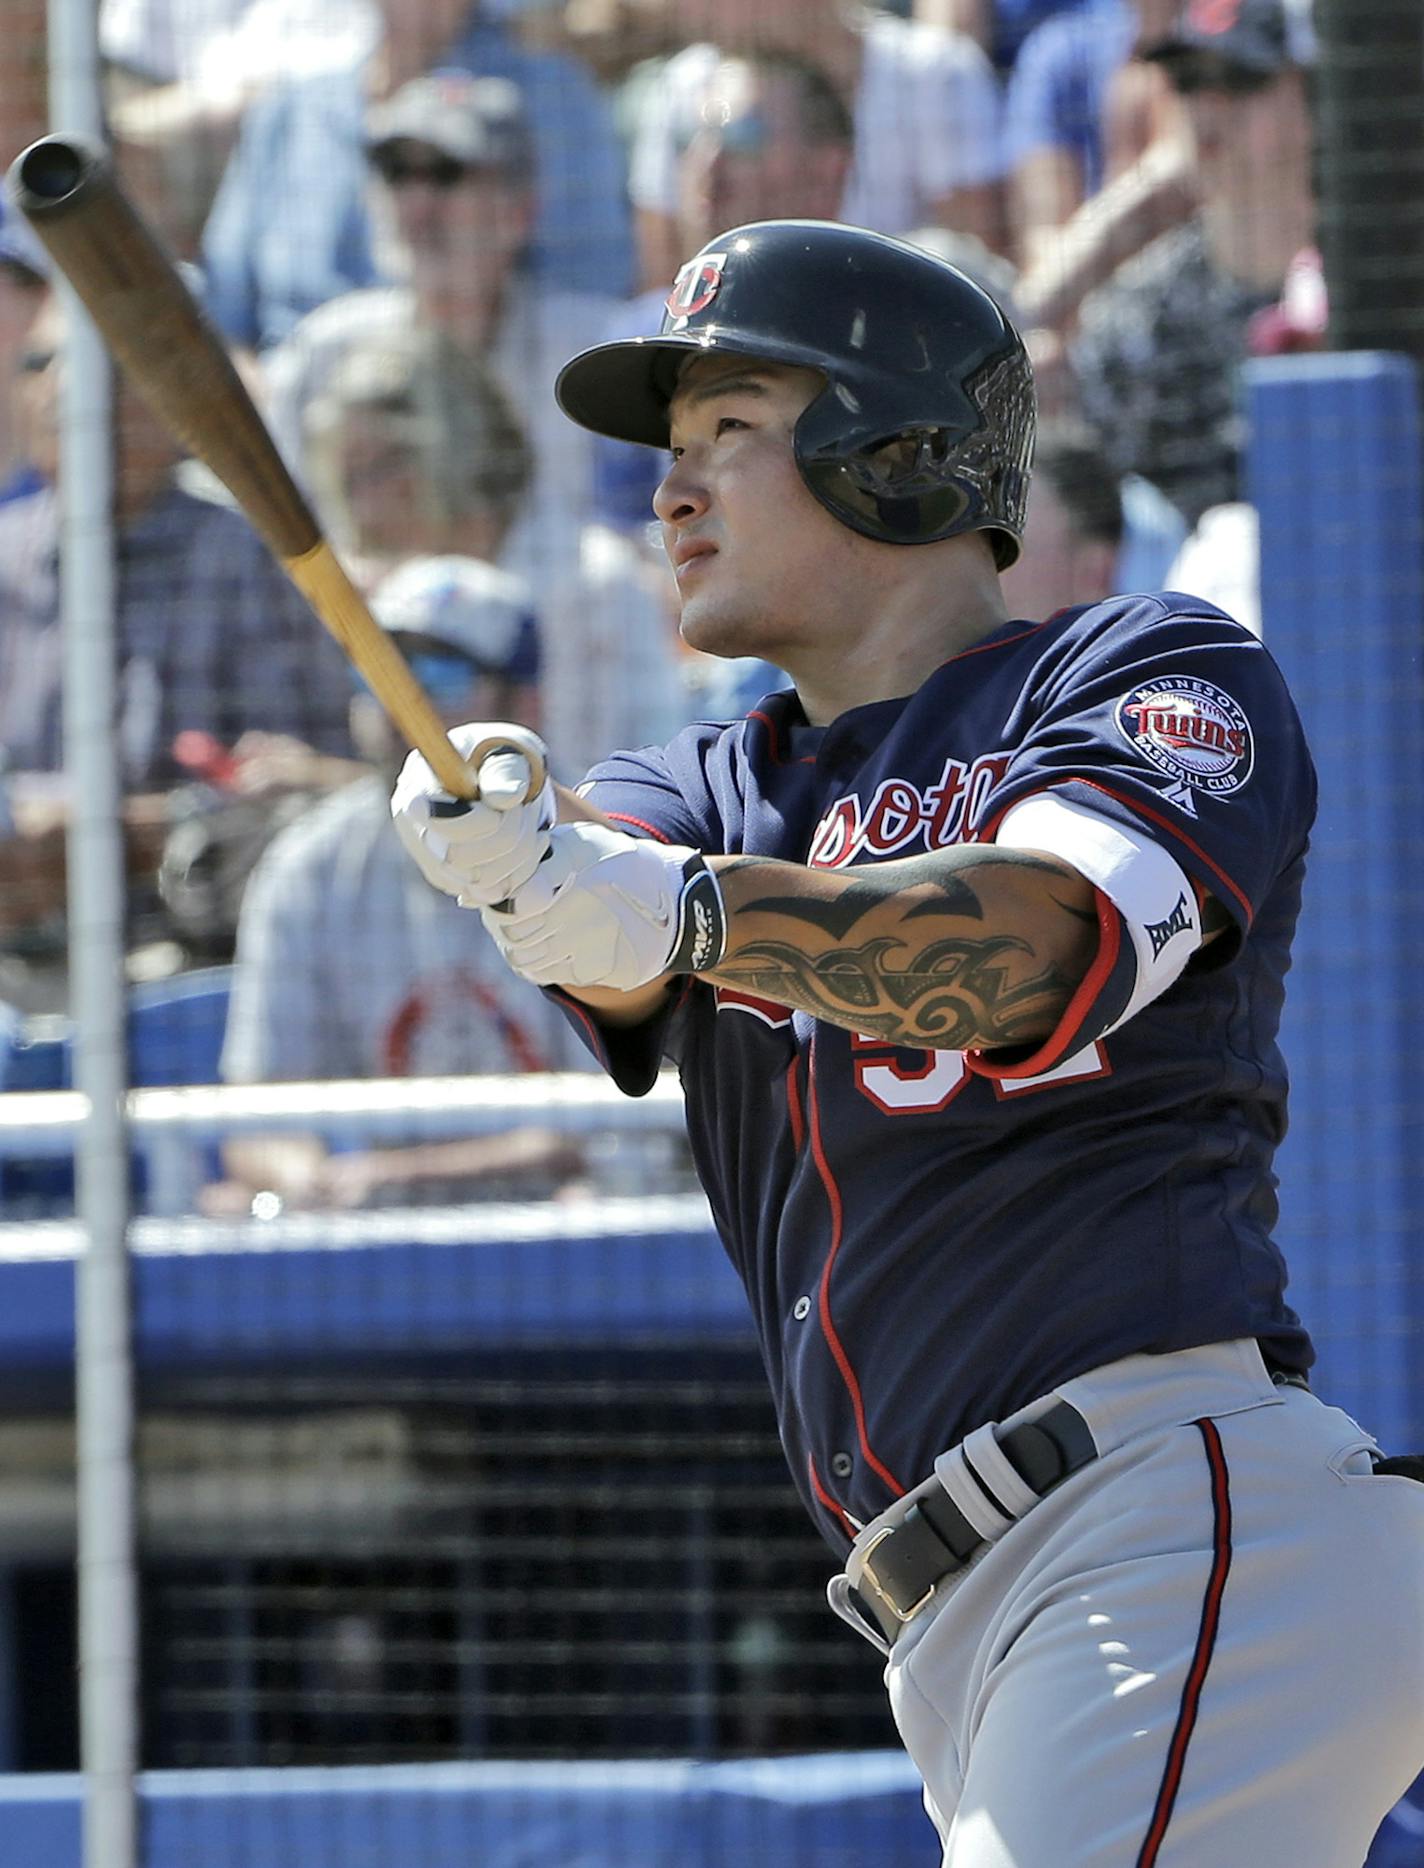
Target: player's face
761	567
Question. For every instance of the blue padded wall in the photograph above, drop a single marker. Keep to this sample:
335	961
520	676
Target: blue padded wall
1334	471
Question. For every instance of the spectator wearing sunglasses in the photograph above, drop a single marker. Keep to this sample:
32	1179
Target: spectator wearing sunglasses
1159	346
452	159
417	987
291	226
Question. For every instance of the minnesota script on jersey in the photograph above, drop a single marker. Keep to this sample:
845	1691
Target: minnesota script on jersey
927	1247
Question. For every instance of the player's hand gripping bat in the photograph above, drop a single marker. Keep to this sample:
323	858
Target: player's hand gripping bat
67	190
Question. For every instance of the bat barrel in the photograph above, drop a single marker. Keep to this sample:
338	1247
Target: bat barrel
51	174
130	285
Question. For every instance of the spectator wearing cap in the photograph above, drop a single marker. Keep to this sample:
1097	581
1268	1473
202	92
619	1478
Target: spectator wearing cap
924	103
452	160
291	225
1159	346
24	270
414	448
350	966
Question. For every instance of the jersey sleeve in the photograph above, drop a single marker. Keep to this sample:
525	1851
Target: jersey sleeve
1175	723
1165	762
661	791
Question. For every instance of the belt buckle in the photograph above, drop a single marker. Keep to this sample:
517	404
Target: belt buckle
867	1571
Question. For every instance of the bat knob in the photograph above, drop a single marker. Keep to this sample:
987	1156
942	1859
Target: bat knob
496	743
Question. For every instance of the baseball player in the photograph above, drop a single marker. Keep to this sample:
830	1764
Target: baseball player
970	951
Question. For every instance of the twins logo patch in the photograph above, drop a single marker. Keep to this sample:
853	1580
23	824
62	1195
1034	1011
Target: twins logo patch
1190	730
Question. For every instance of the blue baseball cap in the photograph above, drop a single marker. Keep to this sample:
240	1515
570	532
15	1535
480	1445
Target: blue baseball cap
476	611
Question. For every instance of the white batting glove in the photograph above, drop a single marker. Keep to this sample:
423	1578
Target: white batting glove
610	910
484	850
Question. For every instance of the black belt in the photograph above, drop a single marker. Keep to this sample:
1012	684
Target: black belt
903	1564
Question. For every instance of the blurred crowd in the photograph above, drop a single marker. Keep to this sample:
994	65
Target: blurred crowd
404	215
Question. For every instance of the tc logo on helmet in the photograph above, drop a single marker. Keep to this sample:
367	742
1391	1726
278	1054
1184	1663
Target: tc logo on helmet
696	285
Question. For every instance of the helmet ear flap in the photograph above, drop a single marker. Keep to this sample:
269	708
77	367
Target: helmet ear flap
916	461
903	489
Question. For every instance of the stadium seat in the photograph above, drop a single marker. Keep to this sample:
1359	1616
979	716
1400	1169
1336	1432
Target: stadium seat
176	1031
34	1052
176	1028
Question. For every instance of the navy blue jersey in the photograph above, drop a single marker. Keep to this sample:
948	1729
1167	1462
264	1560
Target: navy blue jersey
930	1240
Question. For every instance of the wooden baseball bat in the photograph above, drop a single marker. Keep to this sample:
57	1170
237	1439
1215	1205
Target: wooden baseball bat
66	188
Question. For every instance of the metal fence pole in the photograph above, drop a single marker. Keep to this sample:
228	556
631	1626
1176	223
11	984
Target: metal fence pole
108	1619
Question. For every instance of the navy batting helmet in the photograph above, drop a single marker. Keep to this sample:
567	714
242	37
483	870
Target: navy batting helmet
924	428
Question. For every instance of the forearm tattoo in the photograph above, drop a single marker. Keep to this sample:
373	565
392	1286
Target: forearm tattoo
952	990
